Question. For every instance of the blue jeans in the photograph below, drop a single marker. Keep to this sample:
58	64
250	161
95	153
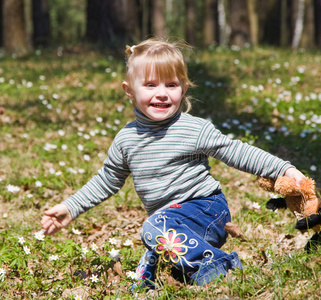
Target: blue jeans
188	236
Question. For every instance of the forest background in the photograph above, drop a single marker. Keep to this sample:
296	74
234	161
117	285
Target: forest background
257	68
28	24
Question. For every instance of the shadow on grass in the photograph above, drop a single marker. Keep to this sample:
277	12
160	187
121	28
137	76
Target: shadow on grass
212	93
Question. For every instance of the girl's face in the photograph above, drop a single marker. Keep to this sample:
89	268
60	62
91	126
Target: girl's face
157	99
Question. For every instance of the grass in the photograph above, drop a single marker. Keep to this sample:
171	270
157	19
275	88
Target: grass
61	114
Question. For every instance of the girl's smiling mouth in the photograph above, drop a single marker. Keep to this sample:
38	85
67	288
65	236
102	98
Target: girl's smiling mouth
160	105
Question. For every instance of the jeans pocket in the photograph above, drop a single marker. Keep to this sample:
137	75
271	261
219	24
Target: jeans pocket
215	232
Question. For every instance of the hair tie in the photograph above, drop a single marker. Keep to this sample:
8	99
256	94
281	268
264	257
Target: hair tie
132	48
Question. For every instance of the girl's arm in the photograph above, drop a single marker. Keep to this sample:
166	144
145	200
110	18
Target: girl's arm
295	174
243	156
56	218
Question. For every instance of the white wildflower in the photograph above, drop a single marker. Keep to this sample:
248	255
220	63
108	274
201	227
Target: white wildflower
313	168
86	157
61	132
114	254
256	205
94	278
76	231
120	108
113	241
301	69
52	170
2	274
21	240
128	242
49	147
12	188
38	183
84	250
53	257
94	247
71	170
26	250
39	235
132	275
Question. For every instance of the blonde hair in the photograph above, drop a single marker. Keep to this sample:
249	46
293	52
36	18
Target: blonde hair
163	57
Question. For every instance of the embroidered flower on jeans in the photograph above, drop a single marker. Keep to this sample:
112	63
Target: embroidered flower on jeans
141	273
170	246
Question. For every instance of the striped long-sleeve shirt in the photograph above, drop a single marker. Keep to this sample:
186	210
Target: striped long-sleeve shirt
168	161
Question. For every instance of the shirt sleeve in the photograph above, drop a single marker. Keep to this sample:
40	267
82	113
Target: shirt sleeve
240	155
109	180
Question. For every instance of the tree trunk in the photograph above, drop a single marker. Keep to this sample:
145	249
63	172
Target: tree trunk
112	23
41	23
317	16
14	28
298	28
130	20
239	21
93	11
210	21
308	34
284	24
254	21
224	30
191	21
1	21
269	20
158	19
145	18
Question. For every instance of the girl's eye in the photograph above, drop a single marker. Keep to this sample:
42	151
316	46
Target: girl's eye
150	84
172	84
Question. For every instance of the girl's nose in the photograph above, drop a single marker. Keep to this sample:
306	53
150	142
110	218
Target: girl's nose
161	92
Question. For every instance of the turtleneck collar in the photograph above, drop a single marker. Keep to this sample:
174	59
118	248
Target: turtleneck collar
144	121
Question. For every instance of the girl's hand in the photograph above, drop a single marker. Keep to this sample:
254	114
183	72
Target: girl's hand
56	218
295	174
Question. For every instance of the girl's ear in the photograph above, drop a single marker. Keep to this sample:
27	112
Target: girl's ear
184	89
127	90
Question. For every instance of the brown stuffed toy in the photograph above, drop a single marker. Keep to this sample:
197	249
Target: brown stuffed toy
306	206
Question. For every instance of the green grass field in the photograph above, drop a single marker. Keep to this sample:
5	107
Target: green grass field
59	112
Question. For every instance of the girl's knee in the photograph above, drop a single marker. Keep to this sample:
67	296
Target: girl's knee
147	230
154	226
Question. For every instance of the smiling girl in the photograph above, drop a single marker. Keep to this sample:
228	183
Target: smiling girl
167	151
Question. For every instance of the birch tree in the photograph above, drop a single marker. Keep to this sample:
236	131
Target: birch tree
223	29
298	28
